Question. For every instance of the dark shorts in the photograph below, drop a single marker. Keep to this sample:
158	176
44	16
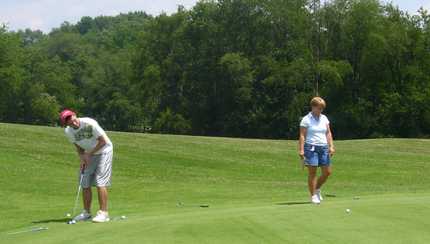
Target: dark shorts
317	156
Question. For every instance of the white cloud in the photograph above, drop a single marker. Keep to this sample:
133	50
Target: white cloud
46	14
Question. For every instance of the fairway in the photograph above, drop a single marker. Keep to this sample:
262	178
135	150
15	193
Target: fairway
255	191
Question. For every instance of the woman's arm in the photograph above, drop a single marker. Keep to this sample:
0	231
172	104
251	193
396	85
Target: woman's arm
302	142
330	141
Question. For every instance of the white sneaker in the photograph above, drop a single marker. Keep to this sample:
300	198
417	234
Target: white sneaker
318	193
315	199
82	216
101	217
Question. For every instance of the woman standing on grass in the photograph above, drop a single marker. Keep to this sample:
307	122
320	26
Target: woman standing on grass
316	147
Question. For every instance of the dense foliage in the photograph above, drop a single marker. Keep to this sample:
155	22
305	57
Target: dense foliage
243	68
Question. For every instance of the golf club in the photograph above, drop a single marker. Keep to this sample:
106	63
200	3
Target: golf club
303	162
78	193
35	229
181	204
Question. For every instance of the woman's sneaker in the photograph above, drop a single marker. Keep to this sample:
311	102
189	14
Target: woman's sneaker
315	199
101	217
318	193
82	216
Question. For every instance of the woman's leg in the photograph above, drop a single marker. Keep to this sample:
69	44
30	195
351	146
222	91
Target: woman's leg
312	179
325	173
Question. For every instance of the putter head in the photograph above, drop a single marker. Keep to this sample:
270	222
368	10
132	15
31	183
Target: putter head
40	229
303	164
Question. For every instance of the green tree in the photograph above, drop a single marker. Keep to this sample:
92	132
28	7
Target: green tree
45	109
171	123
12	74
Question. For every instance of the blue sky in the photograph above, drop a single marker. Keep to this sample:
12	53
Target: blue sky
46	14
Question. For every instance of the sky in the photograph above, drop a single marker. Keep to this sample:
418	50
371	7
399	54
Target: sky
47	14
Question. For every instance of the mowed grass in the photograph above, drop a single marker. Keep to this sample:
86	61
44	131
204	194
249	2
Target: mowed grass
255	189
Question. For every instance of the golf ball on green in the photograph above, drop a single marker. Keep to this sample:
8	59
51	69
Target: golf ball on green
68	215
348	210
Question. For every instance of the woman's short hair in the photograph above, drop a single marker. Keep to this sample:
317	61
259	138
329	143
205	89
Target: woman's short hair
318	102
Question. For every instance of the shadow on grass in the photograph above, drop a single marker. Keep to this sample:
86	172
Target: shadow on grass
293	203
330	195
308	202
62	220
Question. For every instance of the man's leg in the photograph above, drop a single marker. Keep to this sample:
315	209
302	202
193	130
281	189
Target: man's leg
103	198
103	176
87	197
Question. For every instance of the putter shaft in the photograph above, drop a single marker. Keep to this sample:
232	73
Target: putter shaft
77	194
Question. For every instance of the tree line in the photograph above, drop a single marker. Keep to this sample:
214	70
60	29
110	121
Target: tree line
243	68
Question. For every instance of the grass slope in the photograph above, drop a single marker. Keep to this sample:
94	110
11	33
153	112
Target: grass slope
250	185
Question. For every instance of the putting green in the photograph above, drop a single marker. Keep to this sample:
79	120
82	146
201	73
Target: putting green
255	189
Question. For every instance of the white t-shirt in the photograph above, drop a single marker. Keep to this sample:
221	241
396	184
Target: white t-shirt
86	135
316	129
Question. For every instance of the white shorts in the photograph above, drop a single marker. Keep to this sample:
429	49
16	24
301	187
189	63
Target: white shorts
99	172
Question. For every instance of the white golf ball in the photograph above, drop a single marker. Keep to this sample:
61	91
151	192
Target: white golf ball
68	215
348	210
123	217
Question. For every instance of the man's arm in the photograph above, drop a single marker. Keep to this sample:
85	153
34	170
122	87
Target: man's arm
100	134
100	144
79	150
81	154
86	156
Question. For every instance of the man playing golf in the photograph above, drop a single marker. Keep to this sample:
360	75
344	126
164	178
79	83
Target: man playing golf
95	151
316	147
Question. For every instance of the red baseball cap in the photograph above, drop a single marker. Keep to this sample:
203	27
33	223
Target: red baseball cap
65	114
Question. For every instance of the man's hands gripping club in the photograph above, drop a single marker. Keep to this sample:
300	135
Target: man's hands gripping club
85	157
